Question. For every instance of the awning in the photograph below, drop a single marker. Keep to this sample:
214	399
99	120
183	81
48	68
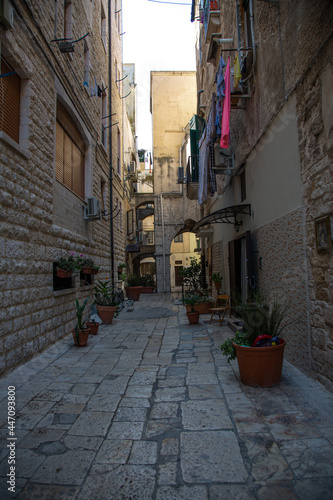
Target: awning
224	215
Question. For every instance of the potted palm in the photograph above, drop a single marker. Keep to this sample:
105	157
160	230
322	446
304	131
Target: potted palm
259	348
81	331
106	300
192	313
133	288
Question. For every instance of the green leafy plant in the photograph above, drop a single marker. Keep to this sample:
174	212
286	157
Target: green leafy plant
79	316
66	263
104	294
261	318
216	277
192	301
227	347
133	280
147	280
192	275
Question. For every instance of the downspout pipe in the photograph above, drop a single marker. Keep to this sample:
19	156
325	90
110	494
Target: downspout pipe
163	242
110	152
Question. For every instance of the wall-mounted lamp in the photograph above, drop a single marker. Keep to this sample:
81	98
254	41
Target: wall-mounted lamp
237	225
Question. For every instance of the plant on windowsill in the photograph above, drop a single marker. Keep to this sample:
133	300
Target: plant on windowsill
65	267
106	301
259	348
81	331
133	288
86	265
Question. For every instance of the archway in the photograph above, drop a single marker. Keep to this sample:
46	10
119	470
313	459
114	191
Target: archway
184	246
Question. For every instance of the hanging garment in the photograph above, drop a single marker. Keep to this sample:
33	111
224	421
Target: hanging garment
220	83
237	72
225	128
202	188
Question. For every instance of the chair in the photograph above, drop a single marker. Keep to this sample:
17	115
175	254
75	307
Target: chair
222	304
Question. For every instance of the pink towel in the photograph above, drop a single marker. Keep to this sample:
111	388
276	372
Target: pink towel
225	129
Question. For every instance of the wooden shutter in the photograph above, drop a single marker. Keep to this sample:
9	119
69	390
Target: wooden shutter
10	92
78	171
59	154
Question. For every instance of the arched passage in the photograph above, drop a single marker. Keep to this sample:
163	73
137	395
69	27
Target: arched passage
183	247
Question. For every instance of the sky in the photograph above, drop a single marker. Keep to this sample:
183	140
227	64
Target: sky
158	37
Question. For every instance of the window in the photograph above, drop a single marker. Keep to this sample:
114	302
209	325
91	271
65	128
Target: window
103	26
179	238
10	92
67	19
118	152
86	65
70	153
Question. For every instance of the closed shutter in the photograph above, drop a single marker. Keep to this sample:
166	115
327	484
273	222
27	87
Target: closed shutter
10	92
69	158
59	155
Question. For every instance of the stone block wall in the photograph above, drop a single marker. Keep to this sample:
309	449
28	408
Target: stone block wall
41	220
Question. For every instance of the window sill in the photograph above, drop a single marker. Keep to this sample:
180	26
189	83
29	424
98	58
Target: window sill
65	291
10	142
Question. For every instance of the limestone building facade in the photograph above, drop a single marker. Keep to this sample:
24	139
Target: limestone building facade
62	185
272	179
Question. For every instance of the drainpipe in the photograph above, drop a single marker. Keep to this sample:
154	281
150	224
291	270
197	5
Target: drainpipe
163	240
110	151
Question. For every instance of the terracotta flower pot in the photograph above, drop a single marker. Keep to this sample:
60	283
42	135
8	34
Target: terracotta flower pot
193	317
83	337
260	366
106	313
93	327
61	273
147	289
133	292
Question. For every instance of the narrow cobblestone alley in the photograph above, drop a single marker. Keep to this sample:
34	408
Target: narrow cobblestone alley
151	410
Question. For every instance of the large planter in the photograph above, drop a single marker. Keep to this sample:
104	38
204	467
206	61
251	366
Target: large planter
133	292
193	317
147	289
106	313
203	308
83	337
260	366
93	327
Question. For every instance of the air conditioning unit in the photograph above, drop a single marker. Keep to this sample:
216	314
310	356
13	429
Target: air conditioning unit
93	209
6	13
224	159
132	167
140	225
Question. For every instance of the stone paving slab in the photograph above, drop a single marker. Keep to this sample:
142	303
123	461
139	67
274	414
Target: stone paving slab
151	410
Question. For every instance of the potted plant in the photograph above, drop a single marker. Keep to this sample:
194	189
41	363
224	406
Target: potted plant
81	331
86	265
106	300
93	325
65	267
133	288
259	348
217	279
147	281
121	268
192	314
192	275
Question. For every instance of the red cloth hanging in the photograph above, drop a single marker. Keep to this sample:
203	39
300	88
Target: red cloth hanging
225	128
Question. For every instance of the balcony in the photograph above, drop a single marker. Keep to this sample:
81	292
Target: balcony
211	18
